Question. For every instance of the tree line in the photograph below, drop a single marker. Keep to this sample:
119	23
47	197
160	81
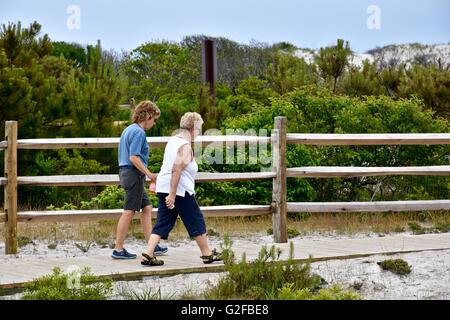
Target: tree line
59	89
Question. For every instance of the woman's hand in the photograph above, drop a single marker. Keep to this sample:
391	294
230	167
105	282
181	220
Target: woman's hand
170	201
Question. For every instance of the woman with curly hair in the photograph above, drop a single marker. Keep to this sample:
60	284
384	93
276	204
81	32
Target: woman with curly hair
133	171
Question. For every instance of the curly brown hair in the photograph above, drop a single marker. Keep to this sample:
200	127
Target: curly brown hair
144	111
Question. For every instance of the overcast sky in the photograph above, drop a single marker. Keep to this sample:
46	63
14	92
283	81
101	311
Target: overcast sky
311	23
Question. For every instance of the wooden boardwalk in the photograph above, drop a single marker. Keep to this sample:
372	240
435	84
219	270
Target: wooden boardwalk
15	273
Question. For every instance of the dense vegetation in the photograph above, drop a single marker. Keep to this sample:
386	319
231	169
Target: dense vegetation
58	89
265	278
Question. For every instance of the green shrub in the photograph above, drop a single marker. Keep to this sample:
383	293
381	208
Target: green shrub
52	246
212	233
65	206
263	277
23	241
60	162
110	198
398	266
65	286
312	110
333	293
291	233
416	228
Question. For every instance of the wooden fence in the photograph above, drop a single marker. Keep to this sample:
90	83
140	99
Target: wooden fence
279	174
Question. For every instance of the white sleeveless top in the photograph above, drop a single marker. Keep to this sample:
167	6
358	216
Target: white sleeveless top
187	178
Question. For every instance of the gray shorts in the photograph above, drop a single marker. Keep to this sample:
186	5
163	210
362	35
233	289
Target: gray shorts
133	181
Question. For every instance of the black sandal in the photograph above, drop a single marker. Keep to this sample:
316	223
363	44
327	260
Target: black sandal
215	256
151	261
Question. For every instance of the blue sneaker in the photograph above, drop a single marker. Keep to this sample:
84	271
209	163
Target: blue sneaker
160	250
124	254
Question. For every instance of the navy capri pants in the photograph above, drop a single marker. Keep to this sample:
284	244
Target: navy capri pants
188	210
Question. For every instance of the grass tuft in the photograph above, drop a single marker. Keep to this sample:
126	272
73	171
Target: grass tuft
398	266
84	247
146	294
24	241
291	233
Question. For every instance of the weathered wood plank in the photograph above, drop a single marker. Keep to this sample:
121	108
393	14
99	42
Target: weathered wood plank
304	172
71	180
158	142
89	215
243	210
113	179
375	206
369	139
233	176
327	172
313	139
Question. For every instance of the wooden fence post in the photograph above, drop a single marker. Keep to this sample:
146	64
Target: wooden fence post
279	204
11	187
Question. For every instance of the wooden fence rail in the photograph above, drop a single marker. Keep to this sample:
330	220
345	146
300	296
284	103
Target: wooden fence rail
373	206
334	139
84	215
279	174
96	143
113	179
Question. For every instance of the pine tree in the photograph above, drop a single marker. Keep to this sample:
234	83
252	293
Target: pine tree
332	60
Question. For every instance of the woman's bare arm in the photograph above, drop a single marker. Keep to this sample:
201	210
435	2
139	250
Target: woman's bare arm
184	156
136	161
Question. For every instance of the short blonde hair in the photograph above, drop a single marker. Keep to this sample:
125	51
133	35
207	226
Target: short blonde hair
190	119
144	111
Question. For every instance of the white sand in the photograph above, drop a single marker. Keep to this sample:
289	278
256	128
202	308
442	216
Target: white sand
429	279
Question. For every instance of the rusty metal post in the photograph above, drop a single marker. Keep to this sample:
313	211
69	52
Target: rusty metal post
209	67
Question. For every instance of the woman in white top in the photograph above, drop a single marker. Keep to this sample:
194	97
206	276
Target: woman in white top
176	195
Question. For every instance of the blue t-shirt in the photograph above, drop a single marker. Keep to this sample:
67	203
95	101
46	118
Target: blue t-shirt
133	142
